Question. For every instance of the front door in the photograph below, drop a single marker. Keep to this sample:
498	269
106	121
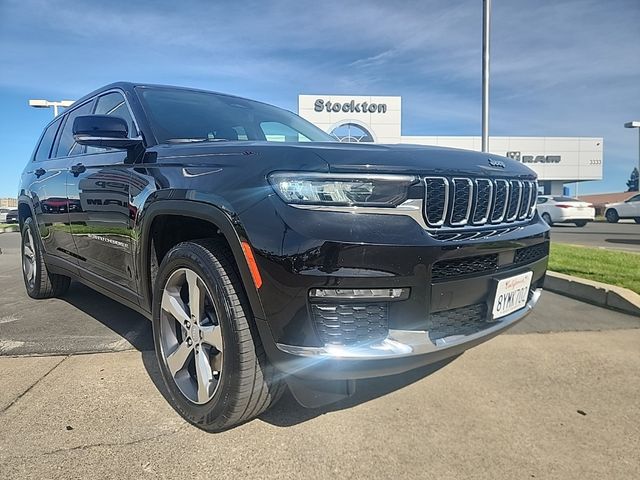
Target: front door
99	182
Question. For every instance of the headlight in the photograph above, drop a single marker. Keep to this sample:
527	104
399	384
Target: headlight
374	190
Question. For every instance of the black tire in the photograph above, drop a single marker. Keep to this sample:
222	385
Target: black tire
43	284
636	219
547	218
581	223
247	384
612	215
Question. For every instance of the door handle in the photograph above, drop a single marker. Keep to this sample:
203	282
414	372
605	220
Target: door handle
39	172
77	169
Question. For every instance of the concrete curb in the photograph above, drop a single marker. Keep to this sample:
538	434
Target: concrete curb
596	293
9	229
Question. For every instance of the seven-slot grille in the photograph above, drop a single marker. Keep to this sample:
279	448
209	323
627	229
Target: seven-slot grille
459	201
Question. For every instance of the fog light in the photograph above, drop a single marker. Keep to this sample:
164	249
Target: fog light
360	293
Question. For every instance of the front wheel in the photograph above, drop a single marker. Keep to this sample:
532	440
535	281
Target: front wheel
581	223
39	282
612	216
210	355
547	218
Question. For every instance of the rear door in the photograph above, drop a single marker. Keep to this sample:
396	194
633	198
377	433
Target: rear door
99	184
45	182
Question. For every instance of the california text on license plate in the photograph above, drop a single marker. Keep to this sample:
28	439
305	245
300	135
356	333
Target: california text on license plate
511	294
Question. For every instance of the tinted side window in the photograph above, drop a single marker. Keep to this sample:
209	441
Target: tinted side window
44	148
113	104
66	143
635	198
542	200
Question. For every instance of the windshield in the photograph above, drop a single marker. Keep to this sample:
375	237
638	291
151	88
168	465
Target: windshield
186	116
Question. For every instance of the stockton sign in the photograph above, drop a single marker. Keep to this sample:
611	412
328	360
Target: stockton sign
349	107
534	158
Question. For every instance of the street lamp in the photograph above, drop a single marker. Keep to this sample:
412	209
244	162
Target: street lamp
48	104
636	125
486	37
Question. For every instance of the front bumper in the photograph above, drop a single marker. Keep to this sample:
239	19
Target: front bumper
383	252
401	351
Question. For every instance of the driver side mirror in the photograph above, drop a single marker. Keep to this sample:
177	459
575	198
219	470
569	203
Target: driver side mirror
103	131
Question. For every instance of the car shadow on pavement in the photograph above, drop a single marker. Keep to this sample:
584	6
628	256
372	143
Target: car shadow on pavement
287	412
136	330
127	323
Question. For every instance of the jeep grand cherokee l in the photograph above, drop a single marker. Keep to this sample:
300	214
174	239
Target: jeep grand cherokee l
267	254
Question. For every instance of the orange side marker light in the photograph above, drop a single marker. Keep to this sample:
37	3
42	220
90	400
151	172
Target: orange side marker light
253	266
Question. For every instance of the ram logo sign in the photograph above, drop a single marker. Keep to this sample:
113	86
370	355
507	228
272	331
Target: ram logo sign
534	158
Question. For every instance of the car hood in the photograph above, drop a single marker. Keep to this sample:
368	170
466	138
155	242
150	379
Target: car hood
359	157
420	159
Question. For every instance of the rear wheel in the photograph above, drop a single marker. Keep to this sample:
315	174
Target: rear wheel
210	355
581	223
636	219
612	216
547	218
39	282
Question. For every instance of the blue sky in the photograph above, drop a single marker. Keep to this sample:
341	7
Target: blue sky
559	68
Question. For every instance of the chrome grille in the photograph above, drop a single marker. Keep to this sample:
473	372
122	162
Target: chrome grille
457	202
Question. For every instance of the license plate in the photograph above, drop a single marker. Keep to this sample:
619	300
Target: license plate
511	294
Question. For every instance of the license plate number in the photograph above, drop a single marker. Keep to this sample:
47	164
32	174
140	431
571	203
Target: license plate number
511	294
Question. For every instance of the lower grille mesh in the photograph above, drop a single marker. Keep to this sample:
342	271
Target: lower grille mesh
351	324
531	254
463	266
458	321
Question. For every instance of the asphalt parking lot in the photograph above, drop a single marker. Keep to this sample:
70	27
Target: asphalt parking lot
624	235
556	397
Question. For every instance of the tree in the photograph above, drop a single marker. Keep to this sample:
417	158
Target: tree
632	183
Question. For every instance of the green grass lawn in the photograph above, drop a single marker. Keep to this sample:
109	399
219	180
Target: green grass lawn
607	266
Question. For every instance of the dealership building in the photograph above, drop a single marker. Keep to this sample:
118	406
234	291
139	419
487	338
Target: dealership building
357	118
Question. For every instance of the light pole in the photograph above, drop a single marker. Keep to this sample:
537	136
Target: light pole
48	104
486	30
636	125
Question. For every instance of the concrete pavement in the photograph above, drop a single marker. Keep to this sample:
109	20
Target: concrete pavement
557	405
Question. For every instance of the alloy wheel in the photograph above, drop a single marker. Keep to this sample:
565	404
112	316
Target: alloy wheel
191	336
29	264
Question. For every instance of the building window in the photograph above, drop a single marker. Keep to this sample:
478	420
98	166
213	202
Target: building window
352	133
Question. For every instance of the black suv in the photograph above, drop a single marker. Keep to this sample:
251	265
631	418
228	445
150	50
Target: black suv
268	254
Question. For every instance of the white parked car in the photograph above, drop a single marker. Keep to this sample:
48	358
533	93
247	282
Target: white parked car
559	209
3	214
630	208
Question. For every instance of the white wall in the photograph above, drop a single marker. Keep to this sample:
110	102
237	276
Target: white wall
581	158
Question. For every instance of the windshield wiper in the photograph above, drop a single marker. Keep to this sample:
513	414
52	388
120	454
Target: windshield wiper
196	140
